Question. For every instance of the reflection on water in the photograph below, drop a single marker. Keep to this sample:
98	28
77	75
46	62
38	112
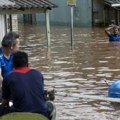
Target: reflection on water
82	69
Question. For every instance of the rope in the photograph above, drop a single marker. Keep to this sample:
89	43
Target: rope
93	97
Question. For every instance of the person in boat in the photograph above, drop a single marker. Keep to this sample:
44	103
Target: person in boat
113	33
25	87
10	44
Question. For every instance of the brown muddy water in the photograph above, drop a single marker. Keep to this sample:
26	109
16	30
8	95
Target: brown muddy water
82	69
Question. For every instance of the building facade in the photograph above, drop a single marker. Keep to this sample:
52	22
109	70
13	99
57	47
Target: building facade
103	14
61	15
87	13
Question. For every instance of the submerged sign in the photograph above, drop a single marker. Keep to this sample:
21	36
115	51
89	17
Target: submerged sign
71	2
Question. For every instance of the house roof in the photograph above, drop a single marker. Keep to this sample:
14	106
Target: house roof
6	2
26	4
113	3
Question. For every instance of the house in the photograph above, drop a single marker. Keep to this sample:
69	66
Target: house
11	7
104	12
112	11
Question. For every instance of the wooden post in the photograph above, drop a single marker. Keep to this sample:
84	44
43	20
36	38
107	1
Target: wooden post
118	17
10	22
5	18
71	27
48	27
104	17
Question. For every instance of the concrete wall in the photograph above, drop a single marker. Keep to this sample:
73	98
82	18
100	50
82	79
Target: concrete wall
61	15
86	13
98	11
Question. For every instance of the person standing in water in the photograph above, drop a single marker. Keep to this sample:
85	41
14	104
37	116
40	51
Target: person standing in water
113	33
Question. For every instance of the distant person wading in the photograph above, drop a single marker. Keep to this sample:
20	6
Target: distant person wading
113	32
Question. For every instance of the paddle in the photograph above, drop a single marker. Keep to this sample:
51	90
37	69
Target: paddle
93	97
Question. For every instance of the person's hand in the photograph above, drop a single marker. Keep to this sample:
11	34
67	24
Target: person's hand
118	27
111	25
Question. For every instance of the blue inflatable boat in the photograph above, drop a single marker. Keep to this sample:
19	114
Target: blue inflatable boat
114	90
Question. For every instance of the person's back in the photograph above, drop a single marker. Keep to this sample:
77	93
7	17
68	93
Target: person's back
26	86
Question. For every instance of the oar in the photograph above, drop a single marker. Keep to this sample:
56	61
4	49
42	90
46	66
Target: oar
93	97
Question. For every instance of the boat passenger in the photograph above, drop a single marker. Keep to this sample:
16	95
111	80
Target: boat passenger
113	33
10	44
25	87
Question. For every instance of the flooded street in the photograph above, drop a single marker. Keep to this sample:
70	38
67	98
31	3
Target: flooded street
82	69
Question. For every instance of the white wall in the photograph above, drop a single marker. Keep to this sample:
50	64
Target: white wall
15	22
2	27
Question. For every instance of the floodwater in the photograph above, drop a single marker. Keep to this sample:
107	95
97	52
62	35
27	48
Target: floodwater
82	69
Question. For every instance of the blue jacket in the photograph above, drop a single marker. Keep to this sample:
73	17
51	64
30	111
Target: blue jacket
5	64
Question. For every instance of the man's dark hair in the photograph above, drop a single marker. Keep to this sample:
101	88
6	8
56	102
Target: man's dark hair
9	39
20	59
115	27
